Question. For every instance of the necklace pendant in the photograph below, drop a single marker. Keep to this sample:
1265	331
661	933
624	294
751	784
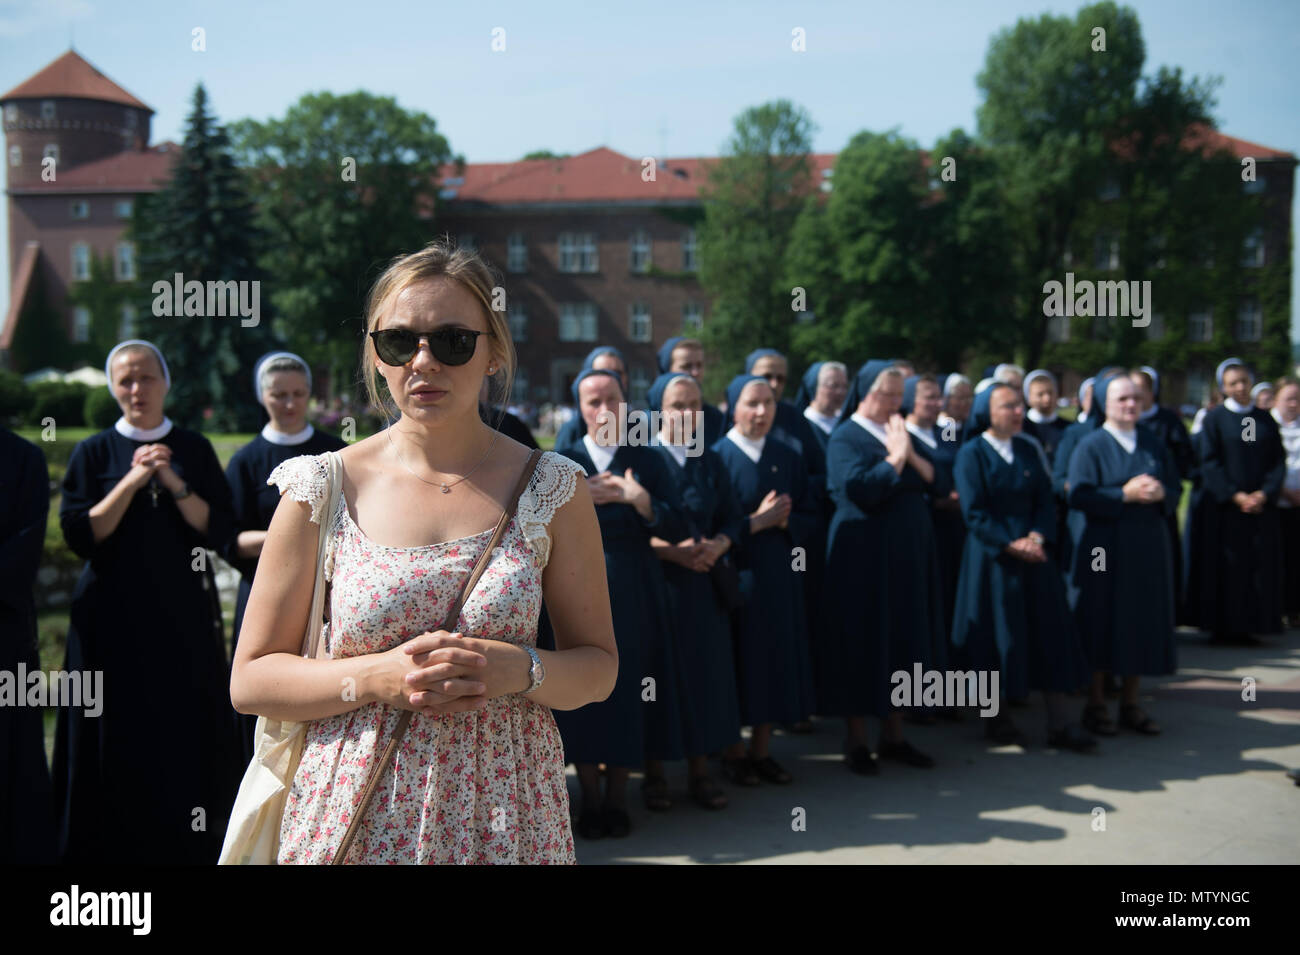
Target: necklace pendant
445	489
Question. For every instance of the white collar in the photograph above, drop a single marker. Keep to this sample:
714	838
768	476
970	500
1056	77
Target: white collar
600	456
279	437
128	430
1295	422
1083	416
1001	445
1150	412
1235	406
678	451
752	448
1128	439
1037	417
926	436
824	421
875	430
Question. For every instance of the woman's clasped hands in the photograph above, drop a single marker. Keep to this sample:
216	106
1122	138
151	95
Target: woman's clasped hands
440	672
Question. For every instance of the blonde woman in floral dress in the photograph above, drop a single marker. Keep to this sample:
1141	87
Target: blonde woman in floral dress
479	775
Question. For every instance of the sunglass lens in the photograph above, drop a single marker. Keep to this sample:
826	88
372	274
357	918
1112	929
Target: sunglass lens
396	346
453	346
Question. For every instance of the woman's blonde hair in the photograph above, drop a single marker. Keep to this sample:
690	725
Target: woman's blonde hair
441	258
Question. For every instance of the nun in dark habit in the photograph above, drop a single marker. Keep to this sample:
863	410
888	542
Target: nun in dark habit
1123	483
281	385
636	500
821	396
1011	613
686	356
702	635
26	818
1286	412
884	606
602	357
153	776
779	513
1235	576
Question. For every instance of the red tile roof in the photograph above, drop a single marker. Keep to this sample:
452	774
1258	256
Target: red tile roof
1212	139
18	292
598	175
71	76
131	171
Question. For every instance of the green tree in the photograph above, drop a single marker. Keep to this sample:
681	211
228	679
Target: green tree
752	201
545	154
201	226
342	184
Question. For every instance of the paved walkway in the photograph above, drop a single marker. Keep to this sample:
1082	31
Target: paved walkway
1211	789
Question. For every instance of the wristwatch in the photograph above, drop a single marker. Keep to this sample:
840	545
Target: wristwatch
183	493
537	672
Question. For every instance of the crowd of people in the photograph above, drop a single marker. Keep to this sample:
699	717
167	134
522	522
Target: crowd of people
811	549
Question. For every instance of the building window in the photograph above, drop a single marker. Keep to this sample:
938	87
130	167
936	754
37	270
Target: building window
519	387
11	112
578	322
1254	186
1067	257
1156	330
80	324
1200	326
1250	322
126	327
1157	248
122	208
80	209
638	326
51	151
124	264
130	119
15	155
467	241
80	262
517	316
638	383
578	252
1106	251
1058	328
1198	386
692	317
516	252
640	255
826	179
689	261
47	109
1252	255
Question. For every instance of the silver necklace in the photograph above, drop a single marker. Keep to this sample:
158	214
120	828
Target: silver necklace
446	488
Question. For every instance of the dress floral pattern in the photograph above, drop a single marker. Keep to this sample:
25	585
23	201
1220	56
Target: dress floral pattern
470	788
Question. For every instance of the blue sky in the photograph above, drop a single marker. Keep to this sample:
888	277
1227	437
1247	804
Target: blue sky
663	78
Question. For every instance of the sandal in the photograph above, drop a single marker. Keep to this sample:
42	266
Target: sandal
770	770
1097	721
706	793
740	771
655	792
1132	717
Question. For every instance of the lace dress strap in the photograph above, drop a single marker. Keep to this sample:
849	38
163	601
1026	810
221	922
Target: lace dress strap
553	483
306	478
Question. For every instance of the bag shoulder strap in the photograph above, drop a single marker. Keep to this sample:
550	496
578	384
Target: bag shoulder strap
449	624
312	644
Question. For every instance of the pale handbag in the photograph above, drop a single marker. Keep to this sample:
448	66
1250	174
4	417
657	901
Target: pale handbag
253	835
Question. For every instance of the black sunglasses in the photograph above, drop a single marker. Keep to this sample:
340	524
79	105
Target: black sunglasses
451	346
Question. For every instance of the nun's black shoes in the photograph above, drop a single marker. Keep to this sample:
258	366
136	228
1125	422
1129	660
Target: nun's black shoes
905	752
1003	732
1097	721
861	760
617	823
654	790
591	824
706	793
740	771
1236	639
1072	737
799	727
769	770
1132	717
